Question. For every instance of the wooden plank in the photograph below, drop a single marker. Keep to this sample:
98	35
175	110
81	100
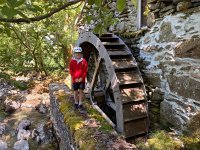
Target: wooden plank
133	94
119	53
133	110
136	127
108	39
94	79
112	105
123	63
113	45
128	77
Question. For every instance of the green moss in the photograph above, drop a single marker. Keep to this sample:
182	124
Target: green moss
160	141
191	143
105	127
84	138
83	134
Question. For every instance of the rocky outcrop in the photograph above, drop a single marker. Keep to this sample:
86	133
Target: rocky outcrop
171	64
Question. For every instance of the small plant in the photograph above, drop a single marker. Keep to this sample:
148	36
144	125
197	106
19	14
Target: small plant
160	141
191	143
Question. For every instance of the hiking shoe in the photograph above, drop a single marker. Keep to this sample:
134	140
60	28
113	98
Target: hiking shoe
82	109
76	106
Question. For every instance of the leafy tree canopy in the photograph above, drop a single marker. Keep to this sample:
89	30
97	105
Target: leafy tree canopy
36	34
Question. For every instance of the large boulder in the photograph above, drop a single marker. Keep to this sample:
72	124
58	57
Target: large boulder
184	86
188	49
166	34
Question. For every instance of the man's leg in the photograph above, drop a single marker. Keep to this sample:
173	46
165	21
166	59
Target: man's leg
80	96
76	97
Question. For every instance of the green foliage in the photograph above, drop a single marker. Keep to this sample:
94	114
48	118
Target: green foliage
91	2
121	5
160	141
147	10
101	15
191	143
42	46
135	3
46	44
98	2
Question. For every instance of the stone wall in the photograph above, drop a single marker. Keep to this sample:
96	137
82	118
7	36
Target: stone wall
63	134
161	8
76	130
127	18
171	64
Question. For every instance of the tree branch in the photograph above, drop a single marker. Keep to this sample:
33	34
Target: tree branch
38	18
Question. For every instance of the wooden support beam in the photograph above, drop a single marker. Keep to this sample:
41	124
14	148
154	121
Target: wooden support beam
94	79
111	104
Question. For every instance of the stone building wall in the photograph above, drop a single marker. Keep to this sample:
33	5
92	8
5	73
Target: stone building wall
127	19
169	59
161	8
168	55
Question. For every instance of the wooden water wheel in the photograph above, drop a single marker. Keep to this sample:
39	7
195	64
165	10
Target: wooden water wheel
115	82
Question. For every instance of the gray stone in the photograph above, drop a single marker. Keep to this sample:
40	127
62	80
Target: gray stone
169	12
23	134
151	19
2	128
153	6
24	124
152	79
169	116
154	118
42	108
183	6
157	95
196	4
166	34
151	1
195	0
184	86
162	5
21	145
168	1
188	49
3	145
12	106
177	1
167	8
156	11
195	36
43	133
61	130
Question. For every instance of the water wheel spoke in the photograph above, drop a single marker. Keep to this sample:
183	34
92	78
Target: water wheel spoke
94	79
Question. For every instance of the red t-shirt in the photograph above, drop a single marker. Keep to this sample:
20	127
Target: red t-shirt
78	69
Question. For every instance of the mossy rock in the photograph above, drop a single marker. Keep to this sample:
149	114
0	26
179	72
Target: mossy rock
83	134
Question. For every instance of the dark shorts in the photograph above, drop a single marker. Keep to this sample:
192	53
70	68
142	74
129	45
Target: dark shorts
80	85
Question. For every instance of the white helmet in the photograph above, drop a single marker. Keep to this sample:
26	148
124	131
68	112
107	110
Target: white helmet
77	49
